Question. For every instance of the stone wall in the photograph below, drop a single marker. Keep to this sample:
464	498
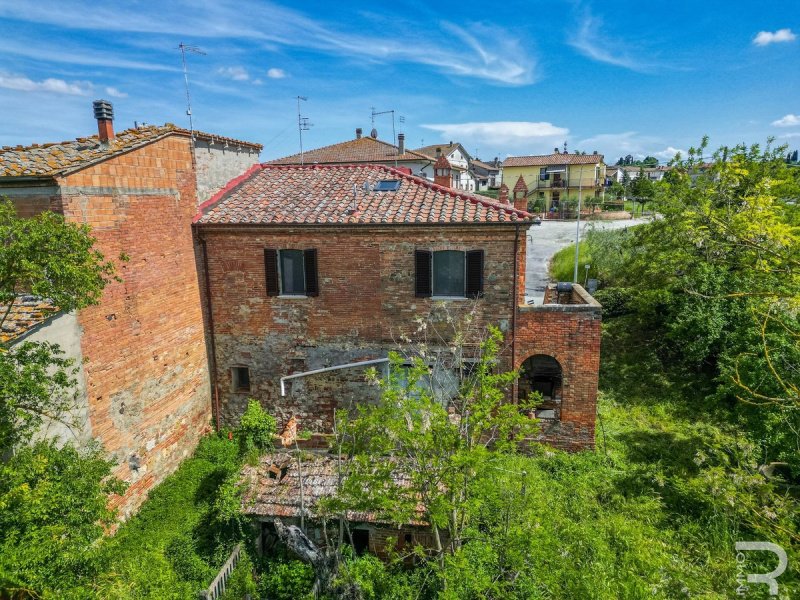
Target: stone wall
63	329
217	162
366	302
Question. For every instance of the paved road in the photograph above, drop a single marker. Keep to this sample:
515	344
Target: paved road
548	238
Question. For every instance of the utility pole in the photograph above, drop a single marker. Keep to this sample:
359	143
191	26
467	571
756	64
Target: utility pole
578	231
302	125
193	50
394	135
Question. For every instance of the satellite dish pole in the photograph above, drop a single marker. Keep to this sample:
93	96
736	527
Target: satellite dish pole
302	125
192	50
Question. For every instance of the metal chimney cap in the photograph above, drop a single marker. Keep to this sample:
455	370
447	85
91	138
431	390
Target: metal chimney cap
103	110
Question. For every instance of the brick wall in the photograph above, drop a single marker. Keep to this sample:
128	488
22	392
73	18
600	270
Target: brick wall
366	301
143	345
570	333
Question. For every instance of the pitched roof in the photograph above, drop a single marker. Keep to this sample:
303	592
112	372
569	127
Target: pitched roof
26	313
542	160
53	159
323	194
484	165
272	487
446	149
360	150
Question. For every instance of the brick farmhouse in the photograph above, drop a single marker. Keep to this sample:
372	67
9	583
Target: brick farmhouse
143	382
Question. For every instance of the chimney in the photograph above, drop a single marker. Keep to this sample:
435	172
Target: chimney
555	151
442	170
594	152
401	143
502	197
521	194
104	113
358	133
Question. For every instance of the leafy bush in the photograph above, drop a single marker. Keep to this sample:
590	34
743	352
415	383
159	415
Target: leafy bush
614	300
241	582
256	428
187	564
53	507
286	579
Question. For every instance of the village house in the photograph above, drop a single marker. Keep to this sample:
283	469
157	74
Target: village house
143	383
551	179
371	150
487	175
310	267
460	163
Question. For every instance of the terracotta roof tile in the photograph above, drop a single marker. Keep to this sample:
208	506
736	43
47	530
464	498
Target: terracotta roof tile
359	150
543	160
323	194
52	159
26	313
272	488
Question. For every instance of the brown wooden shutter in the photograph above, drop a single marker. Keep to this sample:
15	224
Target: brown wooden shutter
474	273
312	281
423	260
271	271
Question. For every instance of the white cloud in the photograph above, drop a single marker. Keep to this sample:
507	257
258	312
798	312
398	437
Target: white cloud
593	43
49	85
791	135
235	73
275	73
485	52
789	120
669	153
513	133
115	93
764	38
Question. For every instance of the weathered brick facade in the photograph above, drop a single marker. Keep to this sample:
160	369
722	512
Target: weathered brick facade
366	301
143	346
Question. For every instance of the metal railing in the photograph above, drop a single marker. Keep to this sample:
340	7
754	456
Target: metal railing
217	587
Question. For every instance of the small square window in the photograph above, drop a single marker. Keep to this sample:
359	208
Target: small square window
292	272
240	379
387	185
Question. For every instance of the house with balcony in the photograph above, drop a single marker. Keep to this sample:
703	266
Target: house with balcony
552	179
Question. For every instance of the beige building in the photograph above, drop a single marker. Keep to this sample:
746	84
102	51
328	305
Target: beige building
554	178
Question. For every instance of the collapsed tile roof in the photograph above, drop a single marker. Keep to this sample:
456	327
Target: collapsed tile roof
272	487
360	150
60	158
26	313
557	158
346	195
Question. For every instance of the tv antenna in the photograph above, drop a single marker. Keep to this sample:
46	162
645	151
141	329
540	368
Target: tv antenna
302	125
401	118
191	50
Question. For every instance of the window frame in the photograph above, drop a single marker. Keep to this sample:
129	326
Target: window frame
236	386
281	293
463	295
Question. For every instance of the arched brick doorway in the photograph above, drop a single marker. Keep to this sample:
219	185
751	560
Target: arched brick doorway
542	373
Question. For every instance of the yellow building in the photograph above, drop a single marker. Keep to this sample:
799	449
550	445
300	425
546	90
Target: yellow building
555	178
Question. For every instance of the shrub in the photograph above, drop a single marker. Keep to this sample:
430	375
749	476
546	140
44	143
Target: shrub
286	580
256	428
187	564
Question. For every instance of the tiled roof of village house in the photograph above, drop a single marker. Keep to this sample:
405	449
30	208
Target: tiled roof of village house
360	150
26	313
323	194
50	160
445	148
277	494
543	160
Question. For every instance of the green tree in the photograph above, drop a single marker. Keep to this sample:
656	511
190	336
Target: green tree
51	259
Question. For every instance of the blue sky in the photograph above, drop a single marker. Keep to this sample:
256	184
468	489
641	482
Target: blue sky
503	78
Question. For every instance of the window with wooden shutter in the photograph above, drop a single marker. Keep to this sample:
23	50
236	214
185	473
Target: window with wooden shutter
474	273
271	271
312	281
422	262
